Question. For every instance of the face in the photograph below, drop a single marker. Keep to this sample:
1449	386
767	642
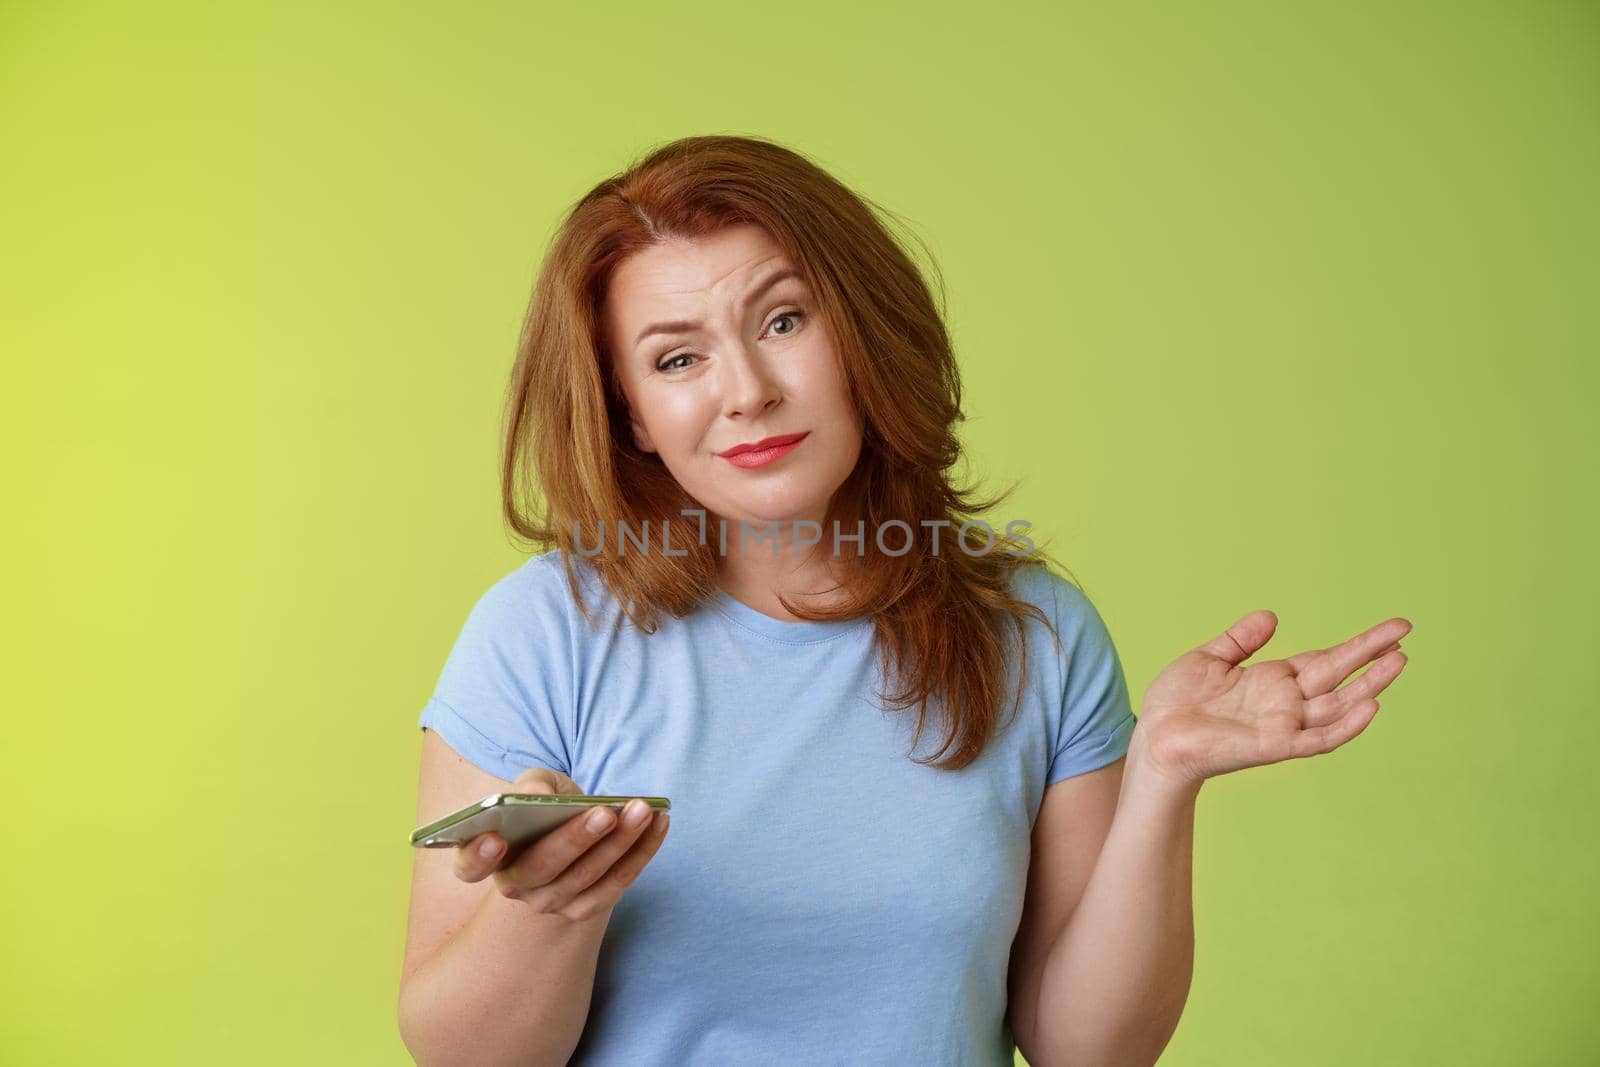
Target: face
719	343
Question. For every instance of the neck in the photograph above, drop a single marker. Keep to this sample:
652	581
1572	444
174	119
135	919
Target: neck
757	573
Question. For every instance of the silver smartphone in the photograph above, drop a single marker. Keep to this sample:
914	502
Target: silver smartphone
520	818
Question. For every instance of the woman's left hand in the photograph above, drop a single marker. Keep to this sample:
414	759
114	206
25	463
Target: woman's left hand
1206	715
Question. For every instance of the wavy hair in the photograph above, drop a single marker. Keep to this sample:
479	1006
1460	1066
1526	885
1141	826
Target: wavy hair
569	460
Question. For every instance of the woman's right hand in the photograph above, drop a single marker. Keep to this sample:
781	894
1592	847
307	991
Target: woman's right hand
573	871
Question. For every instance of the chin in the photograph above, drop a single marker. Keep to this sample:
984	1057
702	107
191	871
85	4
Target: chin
768	510
758	516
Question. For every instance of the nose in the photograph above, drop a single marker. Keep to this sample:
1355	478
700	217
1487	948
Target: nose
748	385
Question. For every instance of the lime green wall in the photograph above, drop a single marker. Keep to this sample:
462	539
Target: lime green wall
1269	308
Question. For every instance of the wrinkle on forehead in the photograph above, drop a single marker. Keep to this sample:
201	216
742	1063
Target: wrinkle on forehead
655	274
651	280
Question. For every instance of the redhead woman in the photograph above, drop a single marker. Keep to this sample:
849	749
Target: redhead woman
914	818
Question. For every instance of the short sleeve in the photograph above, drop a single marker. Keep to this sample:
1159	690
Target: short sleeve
1096	720
500	700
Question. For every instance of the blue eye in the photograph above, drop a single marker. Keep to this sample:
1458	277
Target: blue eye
666	364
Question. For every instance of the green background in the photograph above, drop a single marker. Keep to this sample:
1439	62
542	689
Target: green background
1269	305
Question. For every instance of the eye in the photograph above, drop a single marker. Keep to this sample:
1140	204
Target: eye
667	363
788	315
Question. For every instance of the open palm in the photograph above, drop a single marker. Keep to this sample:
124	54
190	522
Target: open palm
1206	714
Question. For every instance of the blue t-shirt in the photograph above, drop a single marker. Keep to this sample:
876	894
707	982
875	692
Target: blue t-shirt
820	898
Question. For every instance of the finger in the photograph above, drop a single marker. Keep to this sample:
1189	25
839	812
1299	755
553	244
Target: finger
1320	670
544	861
1375	679
606	891
1244	638
601	860
1316	740
484	854
478	858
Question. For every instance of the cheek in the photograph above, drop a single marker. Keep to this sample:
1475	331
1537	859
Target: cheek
826	394
815	376
676	417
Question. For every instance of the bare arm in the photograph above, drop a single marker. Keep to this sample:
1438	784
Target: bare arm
1068	836
1115	980
509	987
502	972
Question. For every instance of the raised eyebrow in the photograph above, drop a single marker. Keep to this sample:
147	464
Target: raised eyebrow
682	326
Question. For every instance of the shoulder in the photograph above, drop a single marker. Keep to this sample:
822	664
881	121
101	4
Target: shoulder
1067	607
1081	636
537	594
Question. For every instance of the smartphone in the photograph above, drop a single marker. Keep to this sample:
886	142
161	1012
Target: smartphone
520	818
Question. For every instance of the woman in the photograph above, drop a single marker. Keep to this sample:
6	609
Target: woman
737	399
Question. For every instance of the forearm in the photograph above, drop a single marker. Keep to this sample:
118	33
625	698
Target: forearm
512	986
1116	978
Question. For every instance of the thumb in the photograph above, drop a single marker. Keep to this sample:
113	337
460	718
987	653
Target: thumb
544	781
1244	638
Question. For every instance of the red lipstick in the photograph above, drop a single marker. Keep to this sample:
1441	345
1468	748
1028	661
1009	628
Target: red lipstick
760	453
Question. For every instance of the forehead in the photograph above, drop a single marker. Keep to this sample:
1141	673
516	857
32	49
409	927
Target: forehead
685	271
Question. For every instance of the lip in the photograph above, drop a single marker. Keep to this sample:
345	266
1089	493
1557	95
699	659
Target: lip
763	444
764	451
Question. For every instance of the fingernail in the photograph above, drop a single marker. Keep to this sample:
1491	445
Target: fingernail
489	849
599	820
636	812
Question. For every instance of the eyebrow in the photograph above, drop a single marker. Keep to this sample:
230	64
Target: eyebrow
684	327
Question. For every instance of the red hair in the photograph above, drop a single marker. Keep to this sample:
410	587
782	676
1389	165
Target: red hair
938	617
